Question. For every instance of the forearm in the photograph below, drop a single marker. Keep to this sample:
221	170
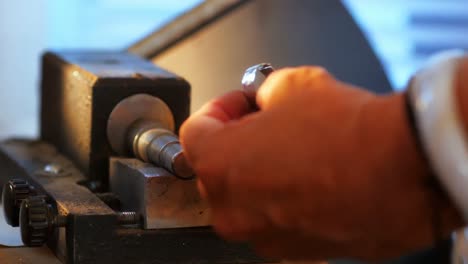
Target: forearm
330	171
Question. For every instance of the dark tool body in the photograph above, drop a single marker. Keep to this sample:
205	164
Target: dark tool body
80	90
68	169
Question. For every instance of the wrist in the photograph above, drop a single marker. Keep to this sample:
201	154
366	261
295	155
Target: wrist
412	201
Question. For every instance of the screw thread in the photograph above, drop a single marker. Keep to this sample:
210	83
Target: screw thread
128	218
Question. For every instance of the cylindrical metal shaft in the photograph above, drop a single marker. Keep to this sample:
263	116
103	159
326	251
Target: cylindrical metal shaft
160	146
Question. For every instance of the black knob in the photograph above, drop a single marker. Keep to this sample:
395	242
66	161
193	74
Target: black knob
36	221
14	192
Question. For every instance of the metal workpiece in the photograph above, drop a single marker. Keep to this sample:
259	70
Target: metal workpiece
253	77
162	147
142	126
140	111
162	200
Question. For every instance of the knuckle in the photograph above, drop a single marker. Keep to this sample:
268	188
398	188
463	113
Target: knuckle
286	75
314	77
315	71
303	77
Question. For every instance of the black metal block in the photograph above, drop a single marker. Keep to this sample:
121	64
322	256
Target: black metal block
79	91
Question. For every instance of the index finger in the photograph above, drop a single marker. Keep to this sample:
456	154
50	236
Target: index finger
212	117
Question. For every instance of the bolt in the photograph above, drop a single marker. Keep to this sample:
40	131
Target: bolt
128	218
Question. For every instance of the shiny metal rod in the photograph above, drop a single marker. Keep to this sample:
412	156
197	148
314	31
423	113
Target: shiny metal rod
159	146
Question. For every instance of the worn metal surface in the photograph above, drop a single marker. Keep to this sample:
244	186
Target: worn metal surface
80	90
163	200
283	33
185	25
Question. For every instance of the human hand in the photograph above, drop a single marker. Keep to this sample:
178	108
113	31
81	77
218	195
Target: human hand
323	170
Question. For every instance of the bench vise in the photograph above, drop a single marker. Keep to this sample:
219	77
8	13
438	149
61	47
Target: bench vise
107	180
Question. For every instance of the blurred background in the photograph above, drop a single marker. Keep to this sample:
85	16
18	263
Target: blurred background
403	34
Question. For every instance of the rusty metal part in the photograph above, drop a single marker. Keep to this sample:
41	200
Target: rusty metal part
251	80
183	26
162	200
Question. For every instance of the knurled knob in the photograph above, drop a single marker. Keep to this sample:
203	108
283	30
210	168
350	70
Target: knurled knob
13	194
35	221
